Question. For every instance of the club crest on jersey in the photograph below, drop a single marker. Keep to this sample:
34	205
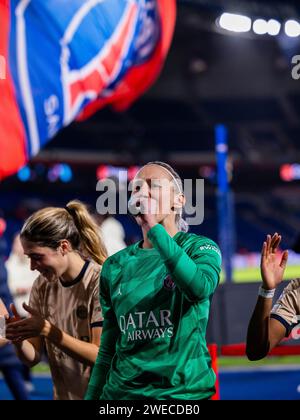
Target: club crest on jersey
169	283
82	312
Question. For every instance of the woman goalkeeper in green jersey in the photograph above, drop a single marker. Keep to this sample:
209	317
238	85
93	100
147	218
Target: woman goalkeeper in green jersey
156	297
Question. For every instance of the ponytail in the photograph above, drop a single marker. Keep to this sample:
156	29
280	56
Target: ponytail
91	243
182	224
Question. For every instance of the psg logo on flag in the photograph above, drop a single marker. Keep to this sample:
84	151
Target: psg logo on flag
169	283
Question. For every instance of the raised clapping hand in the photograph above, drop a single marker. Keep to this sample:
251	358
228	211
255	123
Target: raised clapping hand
21	329
3	310
3	313
272	267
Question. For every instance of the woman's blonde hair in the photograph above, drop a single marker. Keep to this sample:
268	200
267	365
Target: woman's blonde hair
49	226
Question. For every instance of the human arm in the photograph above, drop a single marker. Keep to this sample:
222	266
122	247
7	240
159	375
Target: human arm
197	276
264	332
28	335
4	315
196	272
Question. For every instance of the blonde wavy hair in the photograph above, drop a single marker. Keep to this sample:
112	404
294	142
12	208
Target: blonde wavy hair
49	226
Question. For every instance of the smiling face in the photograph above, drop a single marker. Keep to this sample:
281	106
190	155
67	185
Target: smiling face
47	261
153	181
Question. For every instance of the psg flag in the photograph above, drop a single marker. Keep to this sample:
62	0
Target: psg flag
62	60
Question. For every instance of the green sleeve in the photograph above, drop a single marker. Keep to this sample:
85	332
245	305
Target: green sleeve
109	338
196	275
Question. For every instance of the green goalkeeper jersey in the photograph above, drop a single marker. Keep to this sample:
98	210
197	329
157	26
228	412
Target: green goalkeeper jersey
156	306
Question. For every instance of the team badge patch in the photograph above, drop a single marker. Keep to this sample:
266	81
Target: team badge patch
82	312
169	283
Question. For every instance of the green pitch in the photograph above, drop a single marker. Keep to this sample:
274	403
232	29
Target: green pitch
251	275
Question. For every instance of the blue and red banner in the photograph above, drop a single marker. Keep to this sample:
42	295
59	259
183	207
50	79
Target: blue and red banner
65	59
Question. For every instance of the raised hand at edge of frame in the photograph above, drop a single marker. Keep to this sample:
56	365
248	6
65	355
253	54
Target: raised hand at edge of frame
3	310
22	329
272	268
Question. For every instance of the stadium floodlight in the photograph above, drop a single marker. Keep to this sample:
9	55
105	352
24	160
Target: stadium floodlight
292	28
235	23
274	27
263	27
260	27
